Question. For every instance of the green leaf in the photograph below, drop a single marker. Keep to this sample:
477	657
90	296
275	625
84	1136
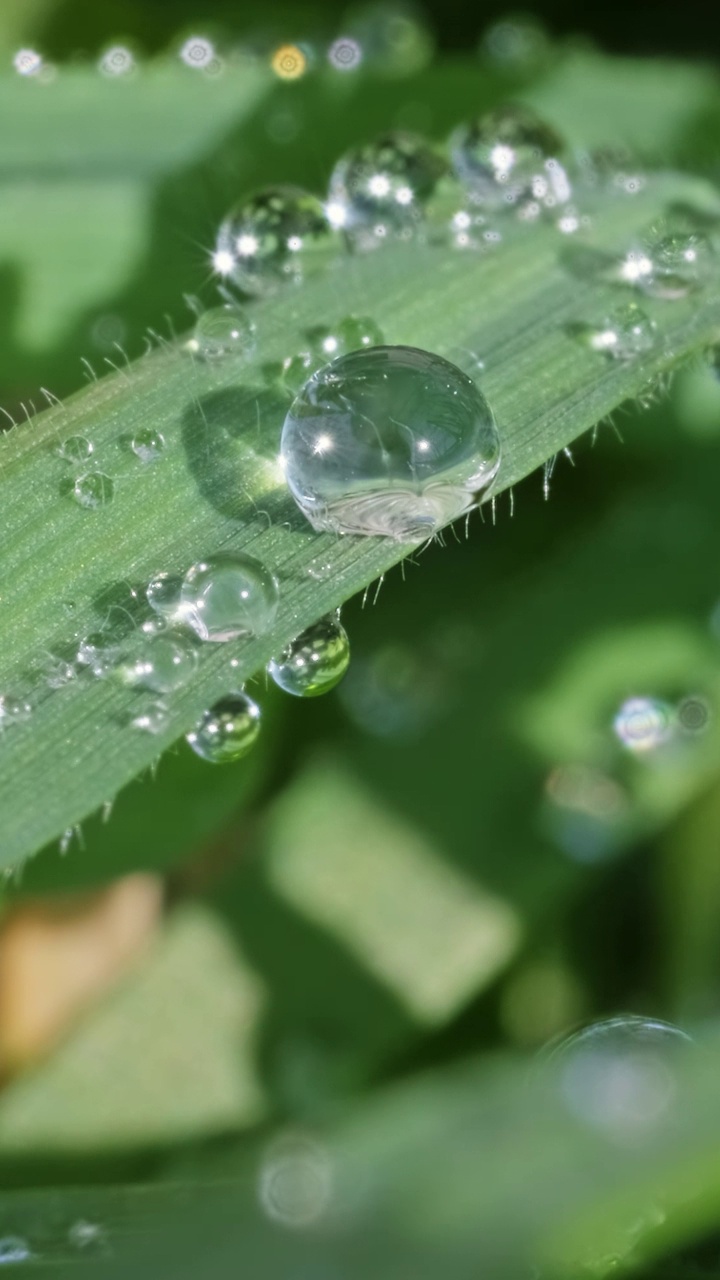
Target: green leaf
218	485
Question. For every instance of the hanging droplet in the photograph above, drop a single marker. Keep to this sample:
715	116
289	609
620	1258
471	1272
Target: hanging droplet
507	155
642	724
281	234
75	450
626	333
222	332
147	444
227	731
93	490
315	661
682	262
99	652
380	189
227	595
388	440
165	662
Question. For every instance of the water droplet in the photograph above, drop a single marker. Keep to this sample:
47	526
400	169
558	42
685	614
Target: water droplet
297	369
682	262
314	662
154	718
295	1181
227	730
618	1075
147	444
13	1249
99	652
379	189
507	155
319	569
221	332
388	440
693	715
351	334
163	595
281	234
13	710
92	490
76	450
642	724
86	1235
165	662
626	333
229	595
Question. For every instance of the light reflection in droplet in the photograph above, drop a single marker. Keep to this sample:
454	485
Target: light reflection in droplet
295	1181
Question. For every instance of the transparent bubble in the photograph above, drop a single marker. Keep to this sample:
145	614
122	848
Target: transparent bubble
507	155
380	189
642	724
619	1075
393	37
14	1249
281	234
99	652
221	332
76	450
154	718
14	709
315	662
148	444
227	731
350	334
163	595
391	441
228	595
345	54
165	662
682	262
93	489
295	1182
624	334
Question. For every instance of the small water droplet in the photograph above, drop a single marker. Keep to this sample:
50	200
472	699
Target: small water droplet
86	1235
93	489
624	334
13	1249
227	731
163	596
164	663
14	709
319	569
99	652
315	662
281	234
642	724
350	334
508	155
147	444
228	595
75	450
388	440
222	332
295	1183
297	369
682	262
154	718
380	189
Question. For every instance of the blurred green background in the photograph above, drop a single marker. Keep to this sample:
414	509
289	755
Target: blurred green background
456	854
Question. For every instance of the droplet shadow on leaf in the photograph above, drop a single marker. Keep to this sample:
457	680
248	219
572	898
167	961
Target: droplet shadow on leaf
226	435
585	262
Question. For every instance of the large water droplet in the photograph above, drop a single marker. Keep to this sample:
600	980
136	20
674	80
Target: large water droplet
147	444
624	334
507	155
93	490
226	731
380	189
278	235
221	332
389	440
76	450
642	724
229	595
164	663
314	662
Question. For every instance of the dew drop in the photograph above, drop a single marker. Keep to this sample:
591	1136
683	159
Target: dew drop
227	731
13	710
99	652
92	490
13	1249
163	596
315	661
380	189
295	1183
681	263
642	724
507	155
75	450
222	332
154	718
281	234
296	370
227	595
351	334
389	440
166	662
626	333
148	444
